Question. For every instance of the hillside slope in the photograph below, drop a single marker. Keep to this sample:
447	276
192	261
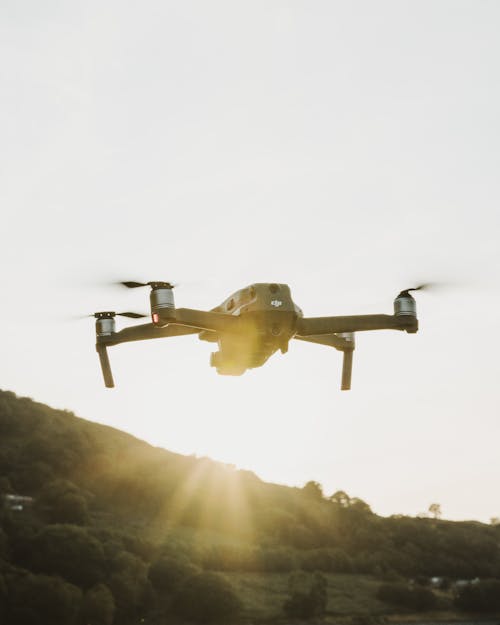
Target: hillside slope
116	523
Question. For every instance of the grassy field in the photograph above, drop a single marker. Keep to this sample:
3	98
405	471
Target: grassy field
263	595
351	601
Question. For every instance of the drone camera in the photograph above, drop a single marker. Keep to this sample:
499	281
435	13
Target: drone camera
162	303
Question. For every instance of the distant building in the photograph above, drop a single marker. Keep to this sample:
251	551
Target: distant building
461	583
17	502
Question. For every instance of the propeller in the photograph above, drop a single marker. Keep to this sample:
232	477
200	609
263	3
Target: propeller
130	284
110	314
426	286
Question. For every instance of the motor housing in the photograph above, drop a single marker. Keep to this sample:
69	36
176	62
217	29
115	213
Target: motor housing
162	303
105	323
405	305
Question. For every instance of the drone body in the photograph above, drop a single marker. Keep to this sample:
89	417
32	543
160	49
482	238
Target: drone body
266	322
249	326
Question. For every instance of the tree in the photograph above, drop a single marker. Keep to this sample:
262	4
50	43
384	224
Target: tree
480	596
412	598
435	510
70	552
129	584
307	597
60	501
277	560
3	598
98	606
40	599
70	508
207	598
313	490
359	505
341	562
5	487
4	545
167	574
341	498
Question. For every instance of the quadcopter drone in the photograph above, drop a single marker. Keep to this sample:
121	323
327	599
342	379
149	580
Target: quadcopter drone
248	327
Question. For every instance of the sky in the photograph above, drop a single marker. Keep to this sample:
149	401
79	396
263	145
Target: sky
347	149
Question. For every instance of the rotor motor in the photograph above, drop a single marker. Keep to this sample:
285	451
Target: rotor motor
405	305
105	323
162	303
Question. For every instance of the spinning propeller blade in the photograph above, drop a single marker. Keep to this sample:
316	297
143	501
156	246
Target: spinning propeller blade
131	315
134	285
425	286
154	284
111	313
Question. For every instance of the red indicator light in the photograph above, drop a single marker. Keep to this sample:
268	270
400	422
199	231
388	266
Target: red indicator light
156	317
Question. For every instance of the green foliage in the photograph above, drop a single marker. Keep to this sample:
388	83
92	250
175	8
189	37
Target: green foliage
368	619
167	574
326	560
231	558
115	474
4	544
307	596
207	598
264	595
340	561
61	501
411	597
340	498
32	476
313	490
41	599
108	507
277	560
300	536
479	596
3	598
129	584
98	606
5	487
68	551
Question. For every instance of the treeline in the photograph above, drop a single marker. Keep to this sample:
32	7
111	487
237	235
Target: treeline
113	517
68	575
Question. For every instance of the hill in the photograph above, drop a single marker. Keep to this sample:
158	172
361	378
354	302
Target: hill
99	527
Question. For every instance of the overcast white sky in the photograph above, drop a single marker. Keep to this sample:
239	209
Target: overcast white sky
348	149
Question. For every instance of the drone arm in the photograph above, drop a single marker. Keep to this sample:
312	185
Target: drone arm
355	323
205	320
187	321
144	332
331	340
